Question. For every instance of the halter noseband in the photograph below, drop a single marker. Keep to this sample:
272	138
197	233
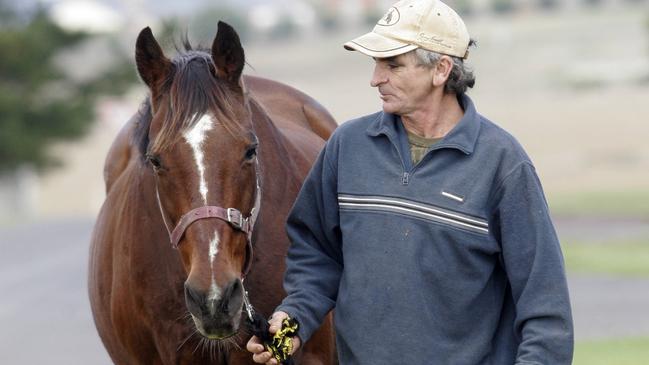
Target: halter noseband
230	215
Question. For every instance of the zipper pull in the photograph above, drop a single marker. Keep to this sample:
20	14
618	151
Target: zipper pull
405	179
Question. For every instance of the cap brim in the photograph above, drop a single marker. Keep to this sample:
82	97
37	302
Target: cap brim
376	45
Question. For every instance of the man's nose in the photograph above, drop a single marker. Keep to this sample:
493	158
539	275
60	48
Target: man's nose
378	77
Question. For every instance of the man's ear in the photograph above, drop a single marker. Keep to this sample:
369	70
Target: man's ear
227	54
442	70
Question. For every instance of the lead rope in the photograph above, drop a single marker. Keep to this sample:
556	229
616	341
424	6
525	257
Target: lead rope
250	311
280	344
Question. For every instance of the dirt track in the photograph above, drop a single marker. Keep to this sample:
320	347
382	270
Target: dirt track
45	315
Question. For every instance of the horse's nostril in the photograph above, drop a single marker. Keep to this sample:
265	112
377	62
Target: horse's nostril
192	293
235	297
193	299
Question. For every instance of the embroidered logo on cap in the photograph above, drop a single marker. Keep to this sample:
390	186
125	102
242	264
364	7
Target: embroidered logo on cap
390	18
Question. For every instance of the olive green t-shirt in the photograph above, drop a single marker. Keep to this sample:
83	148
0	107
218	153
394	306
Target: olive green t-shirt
419	146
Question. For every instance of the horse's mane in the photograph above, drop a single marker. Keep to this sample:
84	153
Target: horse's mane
142	123
194	90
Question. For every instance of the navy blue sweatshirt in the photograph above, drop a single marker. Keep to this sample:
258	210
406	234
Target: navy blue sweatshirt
451	261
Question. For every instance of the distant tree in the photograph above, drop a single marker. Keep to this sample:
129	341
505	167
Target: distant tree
328	16
462	7
646	23
39	103
593	2
285	28
548	4
502	6
203	23
371	15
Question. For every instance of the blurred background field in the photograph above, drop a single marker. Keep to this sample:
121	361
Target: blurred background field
570	79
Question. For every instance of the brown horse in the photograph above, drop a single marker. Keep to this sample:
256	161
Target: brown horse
230	150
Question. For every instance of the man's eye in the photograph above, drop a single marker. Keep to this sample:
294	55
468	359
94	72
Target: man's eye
392	66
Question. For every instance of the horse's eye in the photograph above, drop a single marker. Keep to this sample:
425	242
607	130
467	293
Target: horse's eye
154	161
251	152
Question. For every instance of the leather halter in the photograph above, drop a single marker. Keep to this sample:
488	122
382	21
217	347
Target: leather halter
230	215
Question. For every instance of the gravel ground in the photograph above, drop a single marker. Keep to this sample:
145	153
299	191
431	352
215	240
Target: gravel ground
45	315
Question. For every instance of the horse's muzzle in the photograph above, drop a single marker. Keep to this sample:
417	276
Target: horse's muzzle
216	317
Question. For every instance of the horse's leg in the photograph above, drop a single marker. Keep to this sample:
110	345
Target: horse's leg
320	349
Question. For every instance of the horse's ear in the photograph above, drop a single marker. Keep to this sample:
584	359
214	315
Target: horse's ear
227	53
152	65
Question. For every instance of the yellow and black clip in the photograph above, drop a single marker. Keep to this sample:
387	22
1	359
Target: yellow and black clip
281	343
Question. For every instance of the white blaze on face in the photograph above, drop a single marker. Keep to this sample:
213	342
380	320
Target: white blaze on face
215	292
214	247
195	138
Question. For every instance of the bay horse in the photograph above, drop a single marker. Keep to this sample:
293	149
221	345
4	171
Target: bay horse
212	162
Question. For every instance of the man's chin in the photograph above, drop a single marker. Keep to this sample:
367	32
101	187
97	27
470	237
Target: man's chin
387	108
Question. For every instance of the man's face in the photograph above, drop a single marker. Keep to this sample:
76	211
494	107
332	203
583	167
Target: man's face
404	84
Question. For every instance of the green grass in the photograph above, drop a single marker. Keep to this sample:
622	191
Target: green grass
627	351
627	258
607	204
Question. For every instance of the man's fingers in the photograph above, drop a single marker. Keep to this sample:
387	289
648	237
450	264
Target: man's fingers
262	358
275	321
254	345
296	344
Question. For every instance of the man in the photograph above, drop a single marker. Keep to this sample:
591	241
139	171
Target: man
425	225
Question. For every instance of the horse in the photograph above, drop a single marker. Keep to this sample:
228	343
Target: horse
198	186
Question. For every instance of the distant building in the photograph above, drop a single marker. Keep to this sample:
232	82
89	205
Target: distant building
86	15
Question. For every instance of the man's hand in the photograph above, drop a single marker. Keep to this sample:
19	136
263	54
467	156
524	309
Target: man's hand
260	355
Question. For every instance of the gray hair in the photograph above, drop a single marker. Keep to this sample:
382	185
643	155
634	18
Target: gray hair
461	76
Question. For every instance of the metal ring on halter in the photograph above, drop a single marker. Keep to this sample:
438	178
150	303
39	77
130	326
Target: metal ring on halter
235	218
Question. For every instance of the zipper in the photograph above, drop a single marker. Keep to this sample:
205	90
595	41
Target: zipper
405	179
406	176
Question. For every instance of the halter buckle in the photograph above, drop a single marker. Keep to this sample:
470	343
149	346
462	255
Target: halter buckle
235	218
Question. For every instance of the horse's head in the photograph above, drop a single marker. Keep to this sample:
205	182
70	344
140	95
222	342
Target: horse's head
202	149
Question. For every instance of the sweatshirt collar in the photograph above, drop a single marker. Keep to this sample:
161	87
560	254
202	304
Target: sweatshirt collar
462	137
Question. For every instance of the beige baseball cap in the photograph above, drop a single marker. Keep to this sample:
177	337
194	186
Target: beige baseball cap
412	24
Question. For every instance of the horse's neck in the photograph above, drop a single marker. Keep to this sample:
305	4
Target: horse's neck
276	153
